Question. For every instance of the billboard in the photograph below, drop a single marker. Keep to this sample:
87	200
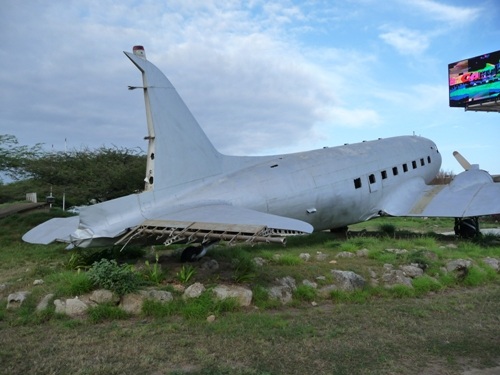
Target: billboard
475	80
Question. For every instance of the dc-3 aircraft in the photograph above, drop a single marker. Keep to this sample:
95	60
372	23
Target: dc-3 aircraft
193	193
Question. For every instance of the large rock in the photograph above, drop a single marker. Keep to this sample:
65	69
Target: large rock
348	280
344	254
193	291
459	266
132	303
72	307
280	293
15	300
104	296
241	294
412	271
493	263
157	295
396	277
287	281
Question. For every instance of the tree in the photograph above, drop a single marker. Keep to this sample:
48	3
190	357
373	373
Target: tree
82	175
13	156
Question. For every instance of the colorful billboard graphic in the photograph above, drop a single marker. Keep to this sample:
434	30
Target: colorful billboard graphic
475	80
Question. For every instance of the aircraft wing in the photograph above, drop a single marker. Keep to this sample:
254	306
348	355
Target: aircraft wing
57	229
471	193
219	221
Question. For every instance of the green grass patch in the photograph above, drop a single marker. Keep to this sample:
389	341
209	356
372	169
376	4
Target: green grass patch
425	284
70	283
305	293
356	296
104	312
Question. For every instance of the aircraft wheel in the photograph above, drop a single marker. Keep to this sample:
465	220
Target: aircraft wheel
467	228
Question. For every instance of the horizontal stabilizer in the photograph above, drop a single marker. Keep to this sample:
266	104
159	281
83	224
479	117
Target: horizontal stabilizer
57	229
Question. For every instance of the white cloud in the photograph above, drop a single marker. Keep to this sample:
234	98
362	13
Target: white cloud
453	15
405	41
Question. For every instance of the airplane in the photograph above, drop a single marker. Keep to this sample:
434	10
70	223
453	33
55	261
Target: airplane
195	194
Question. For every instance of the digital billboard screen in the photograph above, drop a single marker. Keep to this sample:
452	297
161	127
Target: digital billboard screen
475	80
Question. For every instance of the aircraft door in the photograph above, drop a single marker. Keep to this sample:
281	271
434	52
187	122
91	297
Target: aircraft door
374	182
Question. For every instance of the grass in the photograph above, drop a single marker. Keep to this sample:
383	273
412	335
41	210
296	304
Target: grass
441	323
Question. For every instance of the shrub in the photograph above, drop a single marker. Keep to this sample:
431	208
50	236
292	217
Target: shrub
108	274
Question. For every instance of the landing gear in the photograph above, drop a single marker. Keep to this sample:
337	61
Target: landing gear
467	227
195	253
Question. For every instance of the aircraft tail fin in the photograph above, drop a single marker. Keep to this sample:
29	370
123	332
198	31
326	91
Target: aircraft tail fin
176	141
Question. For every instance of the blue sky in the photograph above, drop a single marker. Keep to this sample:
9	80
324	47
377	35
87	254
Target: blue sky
261	77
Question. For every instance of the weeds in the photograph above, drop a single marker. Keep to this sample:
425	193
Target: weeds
107	274
154	272
186	273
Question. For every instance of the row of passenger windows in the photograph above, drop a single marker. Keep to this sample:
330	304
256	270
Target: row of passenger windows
395	171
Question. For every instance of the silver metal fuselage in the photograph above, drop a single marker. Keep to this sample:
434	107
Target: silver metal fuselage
327	188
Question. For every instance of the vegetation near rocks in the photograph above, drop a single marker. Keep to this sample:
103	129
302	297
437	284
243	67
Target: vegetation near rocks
443	321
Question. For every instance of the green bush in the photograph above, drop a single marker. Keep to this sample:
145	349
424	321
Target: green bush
107	274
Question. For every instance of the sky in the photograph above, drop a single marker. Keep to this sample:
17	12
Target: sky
261	77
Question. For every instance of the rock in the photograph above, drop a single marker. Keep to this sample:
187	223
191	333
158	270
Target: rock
493	263
259	261
132	303
320	256
15	300
452	246
397	251
372	273
211	318
333	262
103	296
310	283
348	280
44	303
179	288
157	295
388	267
210	264
305	256
314	304
327	290
396	277
241	294
412	271
287	281
276	257
363	253
321	278
38	282
72	307
458	265
194	291
280	293
344	254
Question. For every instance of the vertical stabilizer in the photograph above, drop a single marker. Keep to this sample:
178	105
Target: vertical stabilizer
178	147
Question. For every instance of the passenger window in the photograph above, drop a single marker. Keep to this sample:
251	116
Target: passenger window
405	167
414	164
428	159
422	162
371	178
384	175
357	183
395	171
